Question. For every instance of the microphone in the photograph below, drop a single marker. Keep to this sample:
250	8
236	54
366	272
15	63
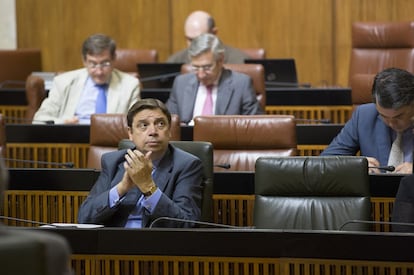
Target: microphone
23	220
6	83
28	121
385	168
323	121
59	164
53	225
287	84
223	165
207	224
374	223
158	77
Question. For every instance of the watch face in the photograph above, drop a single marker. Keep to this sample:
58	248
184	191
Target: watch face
151	191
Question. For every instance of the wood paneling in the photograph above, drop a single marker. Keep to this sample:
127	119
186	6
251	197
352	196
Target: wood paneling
316	33
59	27
348	11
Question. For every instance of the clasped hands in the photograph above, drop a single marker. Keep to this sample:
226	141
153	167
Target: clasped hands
138	169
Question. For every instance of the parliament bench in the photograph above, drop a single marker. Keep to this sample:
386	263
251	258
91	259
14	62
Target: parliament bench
48	146
55	195
237	251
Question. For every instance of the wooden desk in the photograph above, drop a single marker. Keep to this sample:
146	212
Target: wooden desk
54	195
237	251
334	104
70	143
13	104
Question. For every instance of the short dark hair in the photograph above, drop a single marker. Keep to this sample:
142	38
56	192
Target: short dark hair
144	104
393	88
97	43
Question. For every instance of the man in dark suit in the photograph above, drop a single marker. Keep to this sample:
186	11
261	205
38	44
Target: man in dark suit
199	22
228	92
374	126
152	180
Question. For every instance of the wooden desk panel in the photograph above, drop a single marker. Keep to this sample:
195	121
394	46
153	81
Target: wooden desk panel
54	195
308	114
237	251
70	143
47	206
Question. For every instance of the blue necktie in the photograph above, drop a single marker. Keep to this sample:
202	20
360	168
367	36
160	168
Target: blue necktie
101	99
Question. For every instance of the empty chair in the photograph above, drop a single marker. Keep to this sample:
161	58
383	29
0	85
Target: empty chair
240	140
17	64
315	193
107	130
255	71
35	94
254	53
375	47
127	59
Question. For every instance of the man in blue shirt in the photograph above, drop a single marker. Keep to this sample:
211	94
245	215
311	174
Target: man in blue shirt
96	88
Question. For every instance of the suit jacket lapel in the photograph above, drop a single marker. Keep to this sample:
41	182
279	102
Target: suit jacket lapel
163	171
190	93
224	93
113	92
74	93
384	140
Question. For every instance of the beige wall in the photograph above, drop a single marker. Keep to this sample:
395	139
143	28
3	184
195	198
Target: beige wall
316	33
8	24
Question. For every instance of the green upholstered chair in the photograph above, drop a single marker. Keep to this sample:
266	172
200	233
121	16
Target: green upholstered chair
315	193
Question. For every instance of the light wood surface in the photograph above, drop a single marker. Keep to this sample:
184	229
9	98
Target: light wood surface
316	33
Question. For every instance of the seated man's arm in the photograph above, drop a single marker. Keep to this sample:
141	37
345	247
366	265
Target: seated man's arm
250	104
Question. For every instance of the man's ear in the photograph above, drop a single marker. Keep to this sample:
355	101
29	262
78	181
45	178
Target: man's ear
214	31
129	133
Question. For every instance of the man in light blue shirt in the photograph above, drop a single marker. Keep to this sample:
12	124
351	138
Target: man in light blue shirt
96	88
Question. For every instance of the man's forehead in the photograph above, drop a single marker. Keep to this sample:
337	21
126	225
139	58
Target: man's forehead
105	54
150	115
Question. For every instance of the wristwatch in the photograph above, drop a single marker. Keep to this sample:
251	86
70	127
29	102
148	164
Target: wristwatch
151	191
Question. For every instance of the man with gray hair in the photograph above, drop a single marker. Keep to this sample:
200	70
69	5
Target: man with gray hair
211	89
199	22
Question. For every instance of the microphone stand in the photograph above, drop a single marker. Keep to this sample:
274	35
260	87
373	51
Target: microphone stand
157	77
208	224
59	164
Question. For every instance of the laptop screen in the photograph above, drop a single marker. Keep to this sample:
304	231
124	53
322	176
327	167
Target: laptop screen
278	72
158	75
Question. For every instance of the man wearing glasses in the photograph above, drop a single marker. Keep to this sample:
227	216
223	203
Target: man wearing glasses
97	88
211	89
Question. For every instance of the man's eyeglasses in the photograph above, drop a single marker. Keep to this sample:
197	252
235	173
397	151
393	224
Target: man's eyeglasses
204	68
103	65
